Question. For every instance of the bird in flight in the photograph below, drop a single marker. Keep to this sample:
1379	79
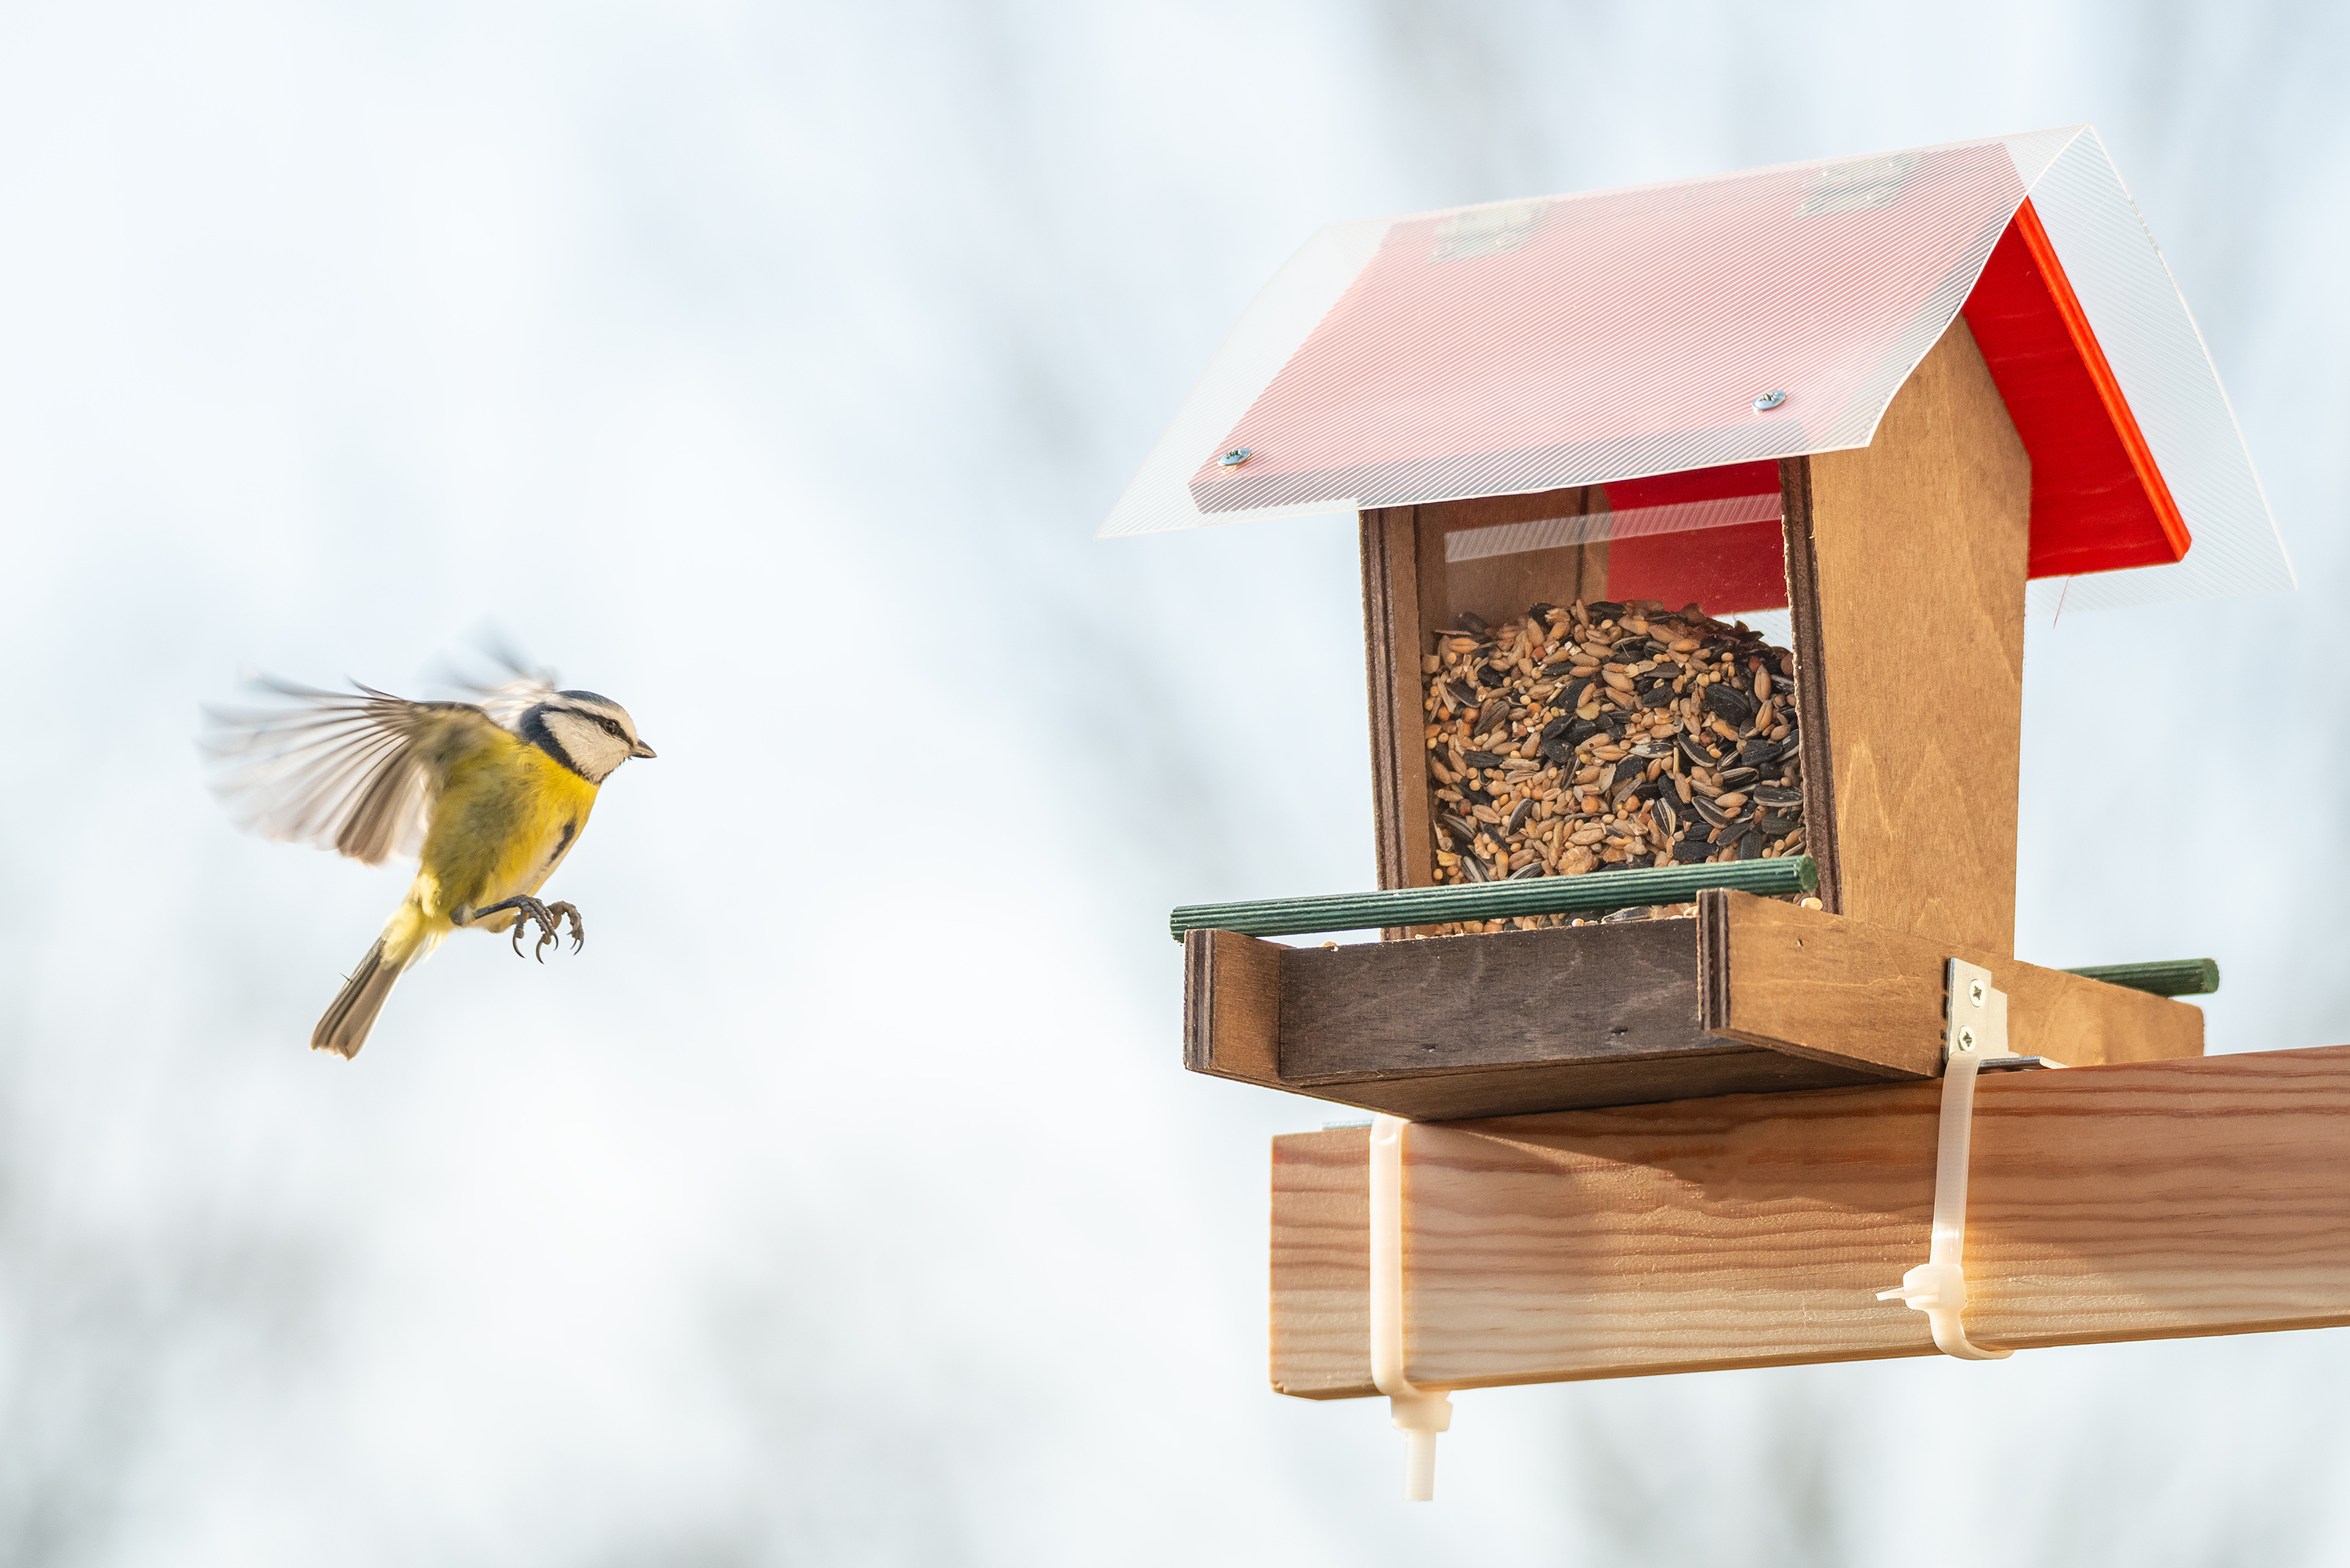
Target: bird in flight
490	796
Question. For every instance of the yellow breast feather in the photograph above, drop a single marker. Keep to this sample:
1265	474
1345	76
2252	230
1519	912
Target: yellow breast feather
505	819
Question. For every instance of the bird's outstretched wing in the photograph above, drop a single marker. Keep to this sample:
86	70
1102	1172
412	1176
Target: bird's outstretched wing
525	687
356	772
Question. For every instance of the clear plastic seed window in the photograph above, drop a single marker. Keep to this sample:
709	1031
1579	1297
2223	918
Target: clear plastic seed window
1578	738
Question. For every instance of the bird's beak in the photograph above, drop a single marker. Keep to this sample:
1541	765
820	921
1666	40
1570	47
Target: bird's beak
641	750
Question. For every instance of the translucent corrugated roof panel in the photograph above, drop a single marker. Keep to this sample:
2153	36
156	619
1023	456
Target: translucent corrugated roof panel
1667	341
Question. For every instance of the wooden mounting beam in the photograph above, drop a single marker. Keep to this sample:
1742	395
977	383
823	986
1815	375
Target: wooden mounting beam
2139	1201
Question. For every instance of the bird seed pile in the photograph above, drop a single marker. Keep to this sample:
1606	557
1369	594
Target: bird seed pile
1604	735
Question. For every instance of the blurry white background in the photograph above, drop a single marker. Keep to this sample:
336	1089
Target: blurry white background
769	369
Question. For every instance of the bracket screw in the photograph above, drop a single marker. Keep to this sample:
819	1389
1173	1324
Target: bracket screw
1234	458
1975	991
1966	1039
1765	401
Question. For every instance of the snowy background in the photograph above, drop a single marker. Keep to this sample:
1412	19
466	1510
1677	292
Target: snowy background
769	369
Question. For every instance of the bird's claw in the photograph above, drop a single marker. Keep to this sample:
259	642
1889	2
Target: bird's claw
579	928
549	918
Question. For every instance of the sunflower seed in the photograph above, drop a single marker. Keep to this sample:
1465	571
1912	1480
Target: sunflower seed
1554	742
1729	703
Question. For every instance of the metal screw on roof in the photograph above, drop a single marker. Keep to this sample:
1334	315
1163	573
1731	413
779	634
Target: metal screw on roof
1966	1039
1234	458
1766	401
1975	991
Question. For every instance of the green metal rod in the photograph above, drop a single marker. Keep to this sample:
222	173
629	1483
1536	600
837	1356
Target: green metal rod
1578	895
2168	977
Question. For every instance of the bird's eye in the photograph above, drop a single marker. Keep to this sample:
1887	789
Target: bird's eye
611	726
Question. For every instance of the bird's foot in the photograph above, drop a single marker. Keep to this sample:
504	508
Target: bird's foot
550	918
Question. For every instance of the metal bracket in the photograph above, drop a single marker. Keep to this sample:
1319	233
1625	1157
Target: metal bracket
1974	1036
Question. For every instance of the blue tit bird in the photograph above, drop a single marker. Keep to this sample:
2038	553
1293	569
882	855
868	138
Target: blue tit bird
490	796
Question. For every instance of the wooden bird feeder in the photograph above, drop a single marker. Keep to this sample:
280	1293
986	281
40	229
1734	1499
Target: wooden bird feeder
1887	405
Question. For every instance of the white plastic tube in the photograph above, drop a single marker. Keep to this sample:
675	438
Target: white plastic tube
1977	1031
1420	1414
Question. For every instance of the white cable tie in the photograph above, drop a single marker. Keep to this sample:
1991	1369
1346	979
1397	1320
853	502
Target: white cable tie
1420	1415
1975	1031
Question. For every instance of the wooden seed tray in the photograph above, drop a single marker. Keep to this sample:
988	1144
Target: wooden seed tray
1751	996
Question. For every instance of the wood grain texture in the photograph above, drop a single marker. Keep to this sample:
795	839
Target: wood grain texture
1517	1022
1837	989
1754	996
1231	1005
1459	1094
1816	751
1920	541
1566	993
1392	646
1477	1026
2136	1201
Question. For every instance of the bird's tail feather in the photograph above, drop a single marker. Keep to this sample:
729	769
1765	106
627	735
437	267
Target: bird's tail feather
345	1027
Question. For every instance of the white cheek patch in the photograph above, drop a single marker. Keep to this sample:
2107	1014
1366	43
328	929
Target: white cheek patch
595	748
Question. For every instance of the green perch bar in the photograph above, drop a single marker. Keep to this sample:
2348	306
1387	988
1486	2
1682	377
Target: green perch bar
2168	977
1594	893
1591	893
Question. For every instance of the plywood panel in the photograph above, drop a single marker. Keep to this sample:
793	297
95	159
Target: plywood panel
1591	1015
1393	642
1920	541
1817	753
1827	986
1231	1006
1571	992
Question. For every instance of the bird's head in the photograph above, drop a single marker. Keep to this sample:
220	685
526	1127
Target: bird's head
589	734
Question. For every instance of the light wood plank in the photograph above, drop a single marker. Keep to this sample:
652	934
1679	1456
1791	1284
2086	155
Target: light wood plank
2138	1200
1921	541
1839	989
